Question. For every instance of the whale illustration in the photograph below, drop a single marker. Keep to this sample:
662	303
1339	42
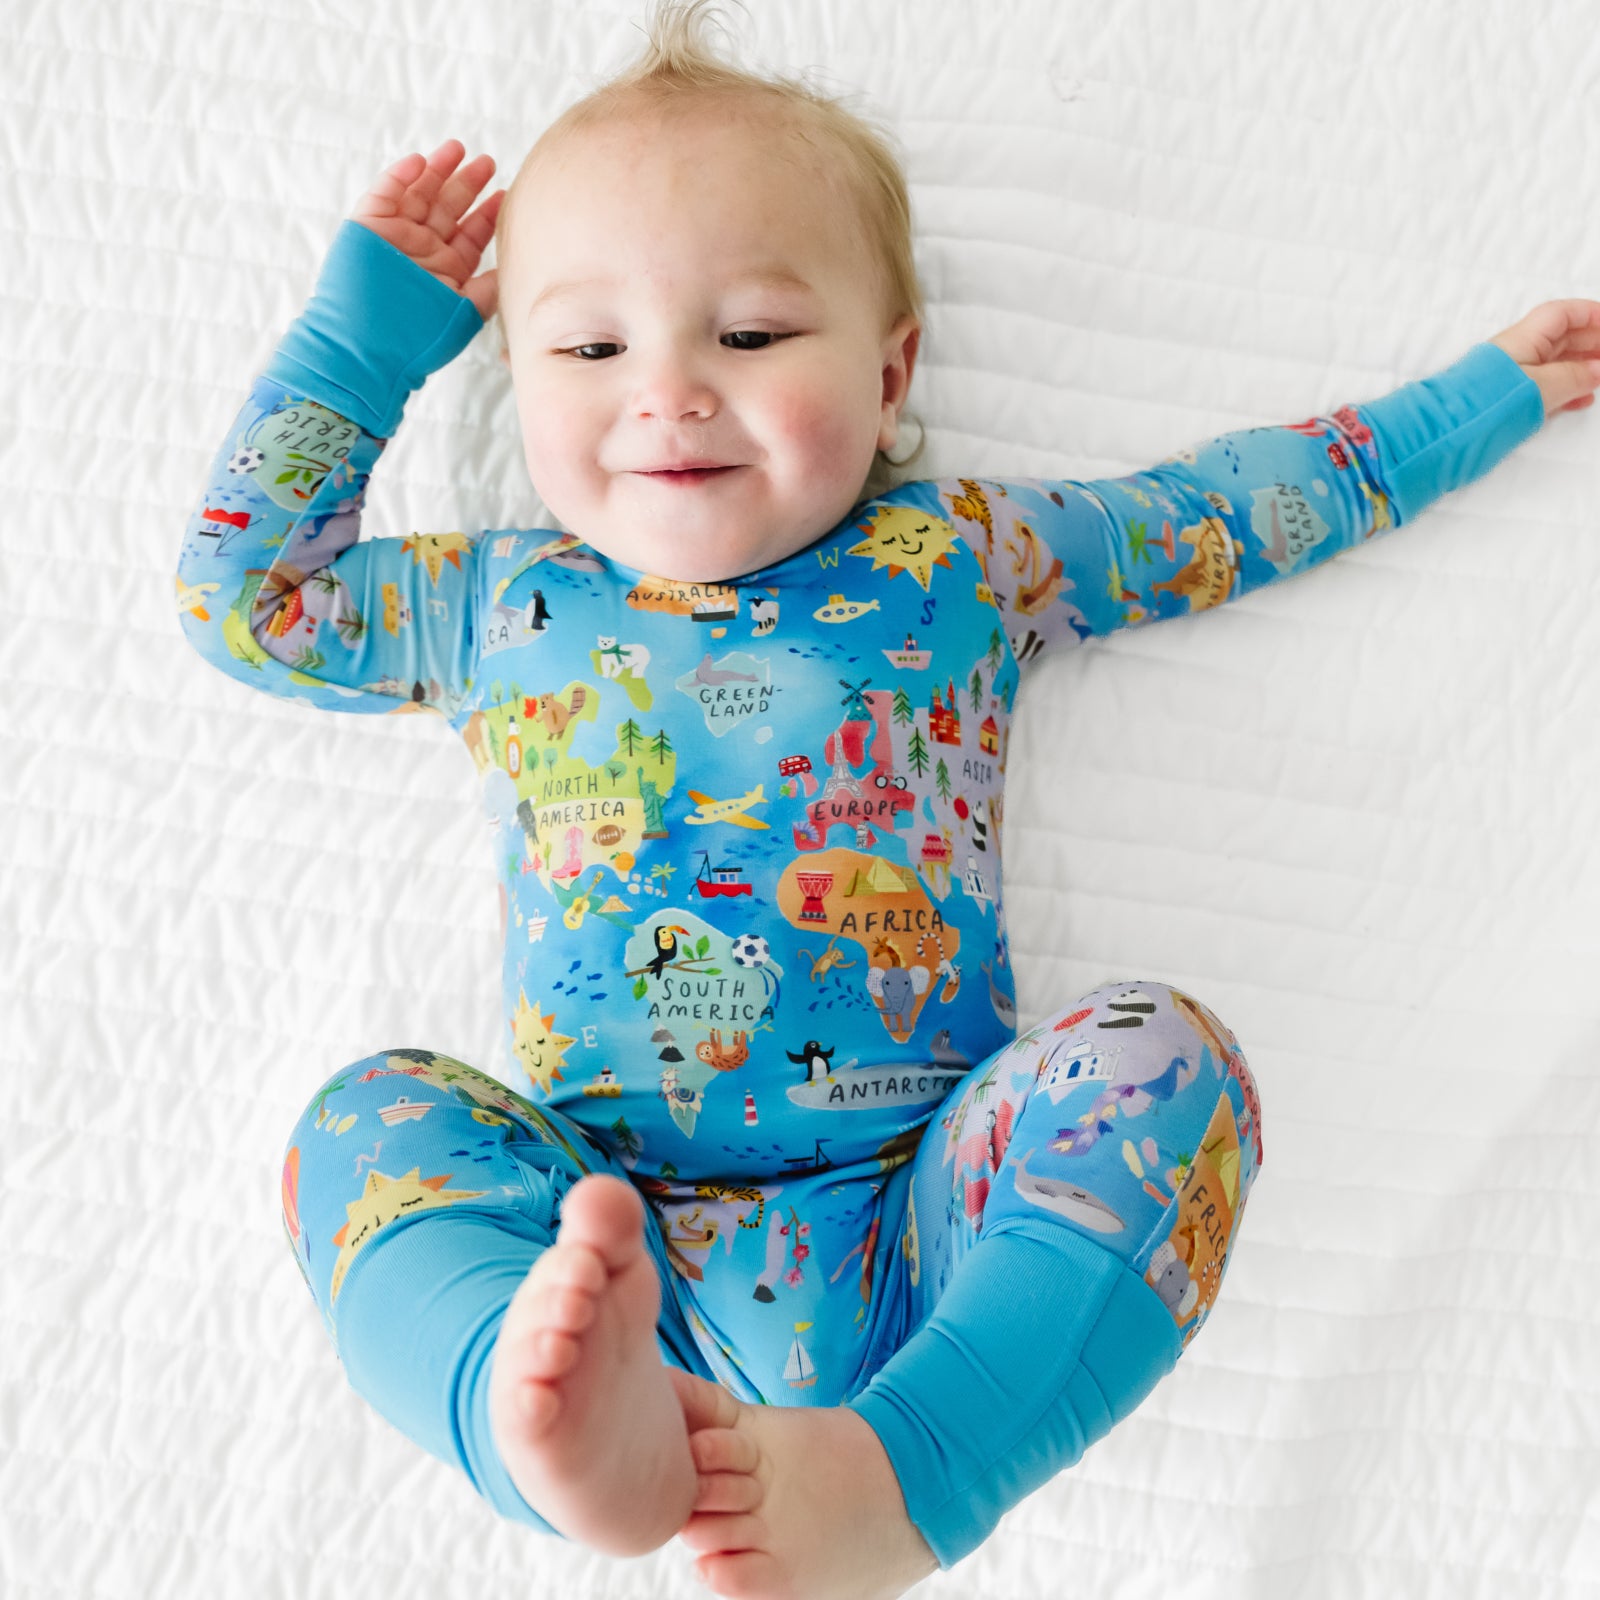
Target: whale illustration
1005	1008
1068	1200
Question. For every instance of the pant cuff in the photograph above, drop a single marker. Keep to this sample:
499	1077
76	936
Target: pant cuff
1040	1344
416	1323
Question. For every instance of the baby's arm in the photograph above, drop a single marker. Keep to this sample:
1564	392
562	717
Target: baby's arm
1067	559
275	587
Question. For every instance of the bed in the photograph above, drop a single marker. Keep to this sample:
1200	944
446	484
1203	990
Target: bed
1350	812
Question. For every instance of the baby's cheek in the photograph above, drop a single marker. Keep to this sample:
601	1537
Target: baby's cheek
826	424
552	442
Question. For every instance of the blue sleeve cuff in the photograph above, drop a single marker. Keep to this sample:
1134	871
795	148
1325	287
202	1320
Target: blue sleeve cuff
1443	432
376	327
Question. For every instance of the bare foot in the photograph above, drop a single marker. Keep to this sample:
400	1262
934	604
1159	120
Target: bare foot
796	1503
586	1416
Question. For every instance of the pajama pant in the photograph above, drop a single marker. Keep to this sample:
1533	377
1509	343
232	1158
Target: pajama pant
1015	1289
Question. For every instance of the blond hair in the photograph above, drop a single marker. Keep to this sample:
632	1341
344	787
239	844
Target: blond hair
677	66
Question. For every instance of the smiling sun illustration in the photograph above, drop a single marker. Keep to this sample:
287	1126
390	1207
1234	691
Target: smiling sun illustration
904	539
432	550
535	1043
383	1201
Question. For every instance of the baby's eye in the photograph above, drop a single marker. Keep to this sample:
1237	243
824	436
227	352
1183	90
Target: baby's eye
579	350
759	334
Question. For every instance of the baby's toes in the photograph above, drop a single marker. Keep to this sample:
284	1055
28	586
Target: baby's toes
574	1266
561	1309
725	1461
727	1491
549	1311
720	1534
746	1572
562	1287
723	1450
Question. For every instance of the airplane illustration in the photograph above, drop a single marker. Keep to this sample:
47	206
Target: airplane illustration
192	597
708	809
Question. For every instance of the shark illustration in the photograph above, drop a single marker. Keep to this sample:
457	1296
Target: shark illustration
1069	1200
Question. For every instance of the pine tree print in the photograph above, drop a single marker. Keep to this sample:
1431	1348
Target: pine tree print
628	1142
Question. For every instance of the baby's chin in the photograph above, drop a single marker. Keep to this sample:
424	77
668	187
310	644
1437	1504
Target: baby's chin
695	533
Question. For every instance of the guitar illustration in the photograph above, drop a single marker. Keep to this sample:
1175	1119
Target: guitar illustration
574	914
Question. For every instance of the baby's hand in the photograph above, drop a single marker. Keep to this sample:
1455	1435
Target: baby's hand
1557	344
414	209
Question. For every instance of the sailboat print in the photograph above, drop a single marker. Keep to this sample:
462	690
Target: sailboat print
800	1372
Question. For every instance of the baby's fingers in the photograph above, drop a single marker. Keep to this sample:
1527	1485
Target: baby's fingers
1554	331
416	205
1571	327
475	231
421	194
385	197
484	292
453	197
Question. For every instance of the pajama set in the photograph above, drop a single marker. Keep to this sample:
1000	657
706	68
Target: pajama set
746	836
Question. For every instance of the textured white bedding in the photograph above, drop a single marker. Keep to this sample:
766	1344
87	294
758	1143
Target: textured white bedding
1351	813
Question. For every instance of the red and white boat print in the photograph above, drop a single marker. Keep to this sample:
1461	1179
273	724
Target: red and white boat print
720	880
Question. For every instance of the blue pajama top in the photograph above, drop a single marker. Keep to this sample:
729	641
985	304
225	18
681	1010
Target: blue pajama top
747	833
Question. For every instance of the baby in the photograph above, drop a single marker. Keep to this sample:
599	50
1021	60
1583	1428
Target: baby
784	1242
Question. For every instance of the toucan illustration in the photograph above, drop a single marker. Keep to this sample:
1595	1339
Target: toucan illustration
666	947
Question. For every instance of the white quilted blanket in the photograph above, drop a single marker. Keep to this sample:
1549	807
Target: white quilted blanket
1352	813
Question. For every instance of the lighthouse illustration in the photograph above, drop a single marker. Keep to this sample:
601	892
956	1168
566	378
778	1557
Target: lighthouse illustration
750	1118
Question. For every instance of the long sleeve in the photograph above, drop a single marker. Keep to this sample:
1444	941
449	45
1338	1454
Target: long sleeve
1066	559
275	586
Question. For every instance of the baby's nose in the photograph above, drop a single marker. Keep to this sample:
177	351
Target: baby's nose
672	390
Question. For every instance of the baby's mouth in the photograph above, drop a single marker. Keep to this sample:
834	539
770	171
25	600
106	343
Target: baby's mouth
688	475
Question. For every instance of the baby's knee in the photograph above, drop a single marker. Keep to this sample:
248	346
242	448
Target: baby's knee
1127	1006
1131	1003
405	1131
352	1111
406	1137
391	1090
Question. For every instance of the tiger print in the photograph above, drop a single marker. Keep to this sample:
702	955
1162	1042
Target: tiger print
730	1194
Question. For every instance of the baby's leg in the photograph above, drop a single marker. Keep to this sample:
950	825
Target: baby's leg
1075	1201
423	1201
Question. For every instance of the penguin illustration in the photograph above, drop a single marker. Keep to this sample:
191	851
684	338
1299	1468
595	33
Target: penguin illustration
666	947
816	1059
535	616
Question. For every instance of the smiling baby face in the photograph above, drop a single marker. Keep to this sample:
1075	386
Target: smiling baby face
698	337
